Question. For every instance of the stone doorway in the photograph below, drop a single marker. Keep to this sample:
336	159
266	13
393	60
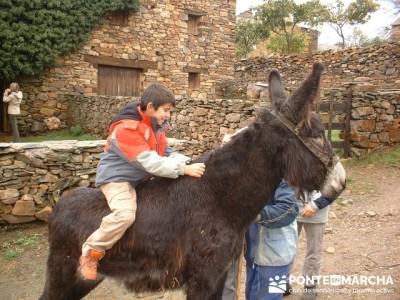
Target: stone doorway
3	109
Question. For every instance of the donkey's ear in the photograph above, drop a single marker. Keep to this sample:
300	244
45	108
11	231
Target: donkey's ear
305	95
276	90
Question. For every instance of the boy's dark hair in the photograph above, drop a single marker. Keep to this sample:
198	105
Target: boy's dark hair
158	95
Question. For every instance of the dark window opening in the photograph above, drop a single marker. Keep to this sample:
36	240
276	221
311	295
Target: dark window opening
119	17
193	24
194	81
3	107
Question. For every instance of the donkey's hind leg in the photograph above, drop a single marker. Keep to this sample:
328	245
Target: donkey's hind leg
63	281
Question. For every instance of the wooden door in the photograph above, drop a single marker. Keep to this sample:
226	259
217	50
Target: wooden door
118	81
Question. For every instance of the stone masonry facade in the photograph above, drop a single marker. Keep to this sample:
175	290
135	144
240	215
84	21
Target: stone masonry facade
165	40
378	64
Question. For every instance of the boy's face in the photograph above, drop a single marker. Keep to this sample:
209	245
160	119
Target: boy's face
161	114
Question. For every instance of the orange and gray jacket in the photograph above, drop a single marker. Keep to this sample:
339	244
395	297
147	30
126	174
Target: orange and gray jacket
135	150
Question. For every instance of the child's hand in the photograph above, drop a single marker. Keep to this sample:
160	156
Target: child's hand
195	170
308	211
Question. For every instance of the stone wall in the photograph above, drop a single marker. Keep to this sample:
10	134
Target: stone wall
155	39
375	120
378	64
199	120
33	176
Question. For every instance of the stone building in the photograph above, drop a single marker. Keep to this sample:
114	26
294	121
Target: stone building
187	45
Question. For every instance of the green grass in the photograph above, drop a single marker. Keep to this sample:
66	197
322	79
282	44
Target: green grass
59	135
389	157
14	249
335	135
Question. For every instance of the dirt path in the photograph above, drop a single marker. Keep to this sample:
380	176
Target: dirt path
364	232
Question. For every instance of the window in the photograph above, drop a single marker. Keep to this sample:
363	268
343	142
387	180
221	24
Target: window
118	81
119	17
193	24
194	81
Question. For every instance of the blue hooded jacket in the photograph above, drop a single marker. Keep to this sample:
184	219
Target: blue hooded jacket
272	241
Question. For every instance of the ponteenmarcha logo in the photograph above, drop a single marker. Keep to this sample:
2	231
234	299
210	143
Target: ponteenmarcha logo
277	285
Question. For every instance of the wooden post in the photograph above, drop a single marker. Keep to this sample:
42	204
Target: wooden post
347	127
330	115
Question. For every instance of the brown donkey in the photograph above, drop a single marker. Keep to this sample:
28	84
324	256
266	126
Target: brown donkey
188	231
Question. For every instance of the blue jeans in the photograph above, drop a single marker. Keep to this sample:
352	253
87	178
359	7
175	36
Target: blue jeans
262	283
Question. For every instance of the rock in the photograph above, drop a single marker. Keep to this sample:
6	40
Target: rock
48	112
17	219
371	213
362	79
44	214
9	196
362	125
27	197
84	183
330	250
52	123
390	71
233	118
48	178
37	126
253	91
361	112
24	208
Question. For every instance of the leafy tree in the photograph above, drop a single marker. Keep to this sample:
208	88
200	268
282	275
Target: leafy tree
359	39
357	12
278	42
248	34
33	33
283	16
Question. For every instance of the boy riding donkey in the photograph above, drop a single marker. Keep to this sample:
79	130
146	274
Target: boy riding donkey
135	150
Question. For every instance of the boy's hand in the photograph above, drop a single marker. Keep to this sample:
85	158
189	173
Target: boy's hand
308	211
195	170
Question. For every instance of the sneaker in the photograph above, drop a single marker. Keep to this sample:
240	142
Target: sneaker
88	264
288	289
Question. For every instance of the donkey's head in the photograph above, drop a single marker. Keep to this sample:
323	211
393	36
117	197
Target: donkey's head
308	159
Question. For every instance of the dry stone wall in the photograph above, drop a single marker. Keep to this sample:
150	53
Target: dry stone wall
378	64
33	176
375	120
204	121
157	39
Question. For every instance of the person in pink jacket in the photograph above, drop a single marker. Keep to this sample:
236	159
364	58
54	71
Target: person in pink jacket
13	96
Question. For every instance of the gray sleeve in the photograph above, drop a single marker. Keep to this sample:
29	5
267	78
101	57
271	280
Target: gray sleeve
162	166
181	157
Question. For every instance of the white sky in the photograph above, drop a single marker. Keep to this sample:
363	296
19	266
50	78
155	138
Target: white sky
375	26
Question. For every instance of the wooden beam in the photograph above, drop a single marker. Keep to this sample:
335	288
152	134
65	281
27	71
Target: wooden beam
337	107
335	126
194	12
120	62
195	70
